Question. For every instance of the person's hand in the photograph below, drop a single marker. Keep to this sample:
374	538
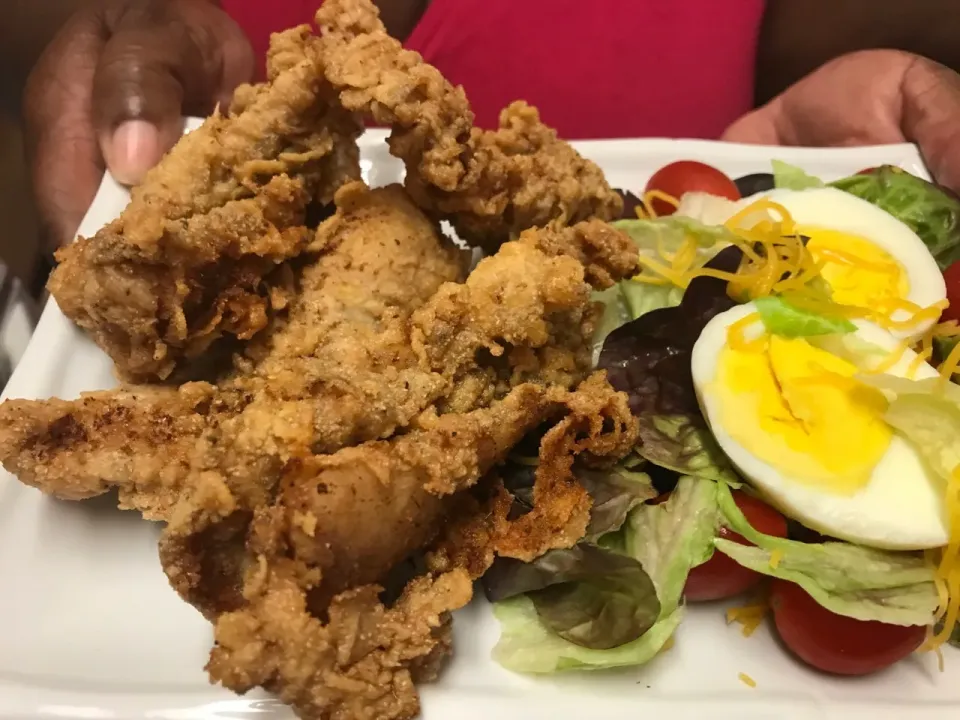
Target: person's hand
874	97
111	89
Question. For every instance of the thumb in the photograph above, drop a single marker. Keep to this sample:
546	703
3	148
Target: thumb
930	108
759	127
162	59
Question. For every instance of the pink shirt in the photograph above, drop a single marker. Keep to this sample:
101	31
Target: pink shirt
595	68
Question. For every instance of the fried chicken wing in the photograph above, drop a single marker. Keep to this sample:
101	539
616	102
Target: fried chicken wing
193	257
489	184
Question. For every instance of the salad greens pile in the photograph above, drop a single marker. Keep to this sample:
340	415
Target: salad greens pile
616	598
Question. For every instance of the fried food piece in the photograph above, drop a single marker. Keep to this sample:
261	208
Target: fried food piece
137	439
193	256
361	663
363	660
489	184
320	502
336	368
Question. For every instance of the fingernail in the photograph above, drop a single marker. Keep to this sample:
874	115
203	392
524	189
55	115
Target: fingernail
133	149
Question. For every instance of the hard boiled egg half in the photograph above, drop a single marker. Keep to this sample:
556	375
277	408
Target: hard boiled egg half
791	415
868	257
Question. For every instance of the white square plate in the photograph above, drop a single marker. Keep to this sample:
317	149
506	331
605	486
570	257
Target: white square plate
90	629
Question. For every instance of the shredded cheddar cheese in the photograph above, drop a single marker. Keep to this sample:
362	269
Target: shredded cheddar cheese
776	261
946	565
747	680
750	617
647	211
775	557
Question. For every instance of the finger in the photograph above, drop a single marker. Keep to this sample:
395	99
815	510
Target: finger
65	162
931	118
164	58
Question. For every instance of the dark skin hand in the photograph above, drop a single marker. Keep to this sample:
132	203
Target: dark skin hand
111	87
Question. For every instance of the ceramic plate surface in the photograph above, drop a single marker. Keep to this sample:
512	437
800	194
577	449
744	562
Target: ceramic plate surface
90	629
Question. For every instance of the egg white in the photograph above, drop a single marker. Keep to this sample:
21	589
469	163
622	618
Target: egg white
900	508
837	210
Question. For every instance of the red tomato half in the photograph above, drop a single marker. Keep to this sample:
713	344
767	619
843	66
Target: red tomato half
685	176
720	577
836	644
952	278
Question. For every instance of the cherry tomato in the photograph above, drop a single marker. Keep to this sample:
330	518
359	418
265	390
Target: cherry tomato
868	171
952	278
684	176
720	577
834	643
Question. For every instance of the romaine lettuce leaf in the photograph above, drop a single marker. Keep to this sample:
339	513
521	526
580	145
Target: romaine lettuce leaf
791	177
930	211
890	587
780	317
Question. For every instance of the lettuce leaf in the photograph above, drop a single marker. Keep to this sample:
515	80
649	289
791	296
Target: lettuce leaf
671	538
932	425
589	596
931	211
791	177
669	234
681	444
649	358
614	492
526	645
890	587
667	540
641	298
782	318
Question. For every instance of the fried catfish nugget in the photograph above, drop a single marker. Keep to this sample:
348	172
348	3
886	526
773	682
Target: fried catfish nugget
193	256
335	368
489	184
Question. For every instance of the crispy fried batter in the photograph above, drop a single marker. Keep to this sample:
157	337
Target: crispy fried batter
488	184
375	391
597	426
138	440
336	369
362	663
319	502
193	256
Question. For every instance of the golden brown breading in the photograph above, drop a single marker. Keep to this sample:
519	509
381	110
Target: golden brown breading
489	184
138	440
319	502
361	663
192	257
336	368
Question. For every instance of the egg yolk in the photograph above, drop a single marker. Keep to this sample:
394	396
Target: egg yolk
799	409
859	273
